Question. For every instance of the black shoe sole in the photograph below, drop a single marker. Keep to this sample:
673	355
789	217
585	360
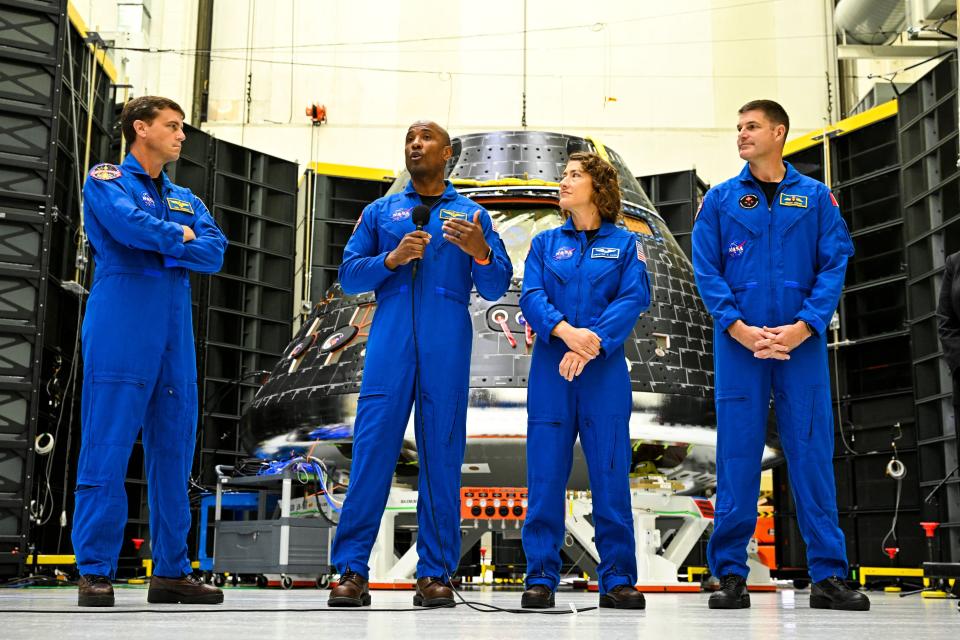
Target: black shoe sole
823	602
95	601
537	603
162	596
342	601
419	601
743	602
609	602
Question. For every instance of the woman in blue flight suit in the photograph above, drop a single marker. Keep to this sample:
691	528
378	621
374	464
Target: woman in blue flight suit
585	284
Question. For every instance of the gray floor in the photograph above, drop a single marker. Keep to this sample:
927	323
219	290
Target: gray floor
774	615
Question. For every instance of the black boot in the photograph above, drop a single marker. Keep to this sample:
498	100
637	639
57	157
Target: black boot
623	596
833	593
732	595
538	596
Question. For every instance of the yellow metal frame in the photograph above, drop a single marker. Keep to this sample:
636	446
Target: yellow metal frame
503	182
105	62
350	171
845	126
52	559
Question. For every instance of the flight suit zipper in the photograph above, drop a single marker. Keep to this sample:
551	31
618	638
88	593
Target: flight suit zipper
583	254
770	280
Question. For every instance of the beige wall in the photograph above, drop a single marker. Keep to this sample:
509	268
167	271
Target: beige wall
677	71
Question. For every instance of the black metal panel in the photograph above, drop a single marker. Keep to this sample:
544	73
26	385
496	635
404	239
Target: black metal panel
677	197
930	182
31	45
244	314
870	367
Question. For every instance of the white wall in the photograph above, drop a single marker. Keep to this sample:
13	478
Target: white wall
678	71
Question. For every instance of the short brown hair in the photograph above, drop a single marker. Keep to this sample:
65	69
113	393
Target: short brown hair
144	108
772	110
606	183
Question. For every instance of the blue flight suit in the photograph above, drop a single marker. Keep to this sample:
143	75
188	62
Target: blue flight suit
139	363
601	285
772	264
444	281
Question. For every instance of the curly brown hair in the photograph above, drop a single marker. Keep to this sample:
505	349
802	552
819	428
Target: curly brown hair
606	184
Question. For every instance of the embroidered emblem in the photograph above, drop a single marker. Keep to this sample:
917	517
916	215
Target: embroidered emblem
788	200
610	253
183	206
736	249
147	199
564	253
400	214
447	214
105	171
641	256
749	201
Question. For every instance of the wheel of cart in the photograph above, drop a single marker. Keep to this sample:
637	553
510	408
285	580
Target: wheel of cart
323	581
219	579
262	581
286	582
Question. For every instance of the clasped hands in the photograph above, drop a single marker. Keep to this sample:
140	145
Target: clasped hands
584	346
770	342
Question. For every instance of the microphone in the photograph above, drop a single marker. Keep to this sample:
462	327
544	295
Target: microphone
421	216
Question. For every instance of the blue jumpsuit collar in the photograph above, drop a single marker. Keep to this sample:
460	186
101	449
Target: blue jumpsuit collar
606	228
449	193
792	175
131	164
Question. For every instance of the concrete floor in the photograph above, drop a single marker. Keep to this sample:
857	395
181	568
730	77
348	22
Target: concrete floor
773	615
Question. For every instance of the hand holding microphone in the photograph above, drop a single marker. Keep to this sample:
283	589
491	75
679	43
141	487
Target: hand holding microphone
413	244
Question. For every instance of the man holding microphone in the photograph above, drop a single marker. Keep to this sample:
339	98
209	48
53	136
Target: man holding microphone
418	353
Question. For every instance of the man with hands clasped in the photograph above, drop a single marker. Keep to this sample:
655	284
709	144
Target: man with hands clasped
770	250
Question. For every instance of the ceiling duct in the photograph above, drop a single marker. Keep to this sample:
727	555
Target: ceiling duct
873	22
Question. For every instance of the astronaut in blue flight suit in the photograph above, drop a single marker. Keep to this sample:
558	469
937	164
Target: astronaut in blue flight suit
457	250
770	250
139	365
585	284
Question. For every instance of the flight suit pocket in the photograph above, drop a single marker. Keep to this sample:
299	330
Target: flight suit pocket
116	410
555	284
732	406
605	282
813	409
446	418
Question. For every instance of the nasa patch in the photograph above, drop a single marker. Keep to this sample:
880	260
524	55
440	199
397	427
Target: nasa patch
749	201
564	253
400	214
147	199
105	171
736	249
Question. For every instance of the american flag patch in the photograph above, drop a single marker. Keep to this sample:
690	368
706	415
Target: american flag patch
359	220
641	256
833	199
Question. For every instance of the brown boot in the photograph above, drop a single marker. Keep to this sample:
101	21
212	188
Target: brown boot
95	591
623	596
433	592
184	590
538	596
353	590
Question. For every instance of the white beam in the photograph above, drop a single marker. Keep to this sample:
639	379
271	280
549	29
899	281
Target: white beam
854	51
